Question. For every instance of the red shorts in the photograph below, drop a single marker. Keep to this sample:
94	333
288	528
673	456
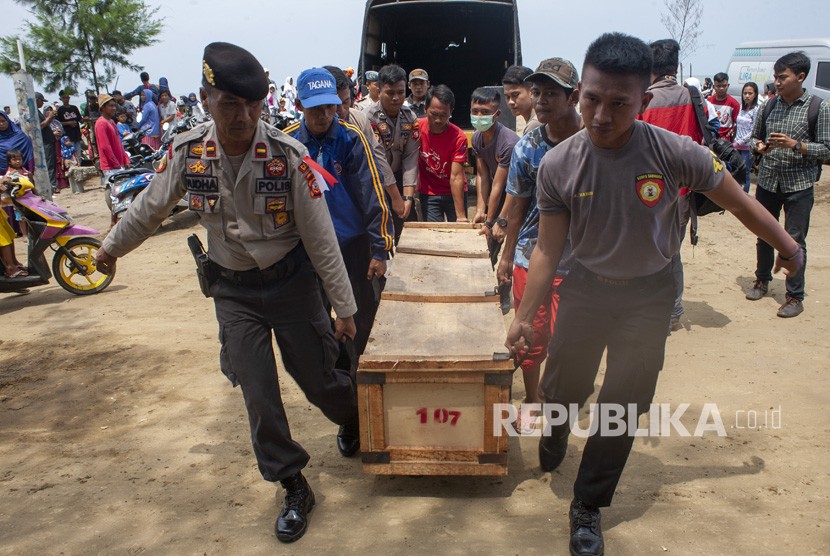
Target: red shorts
543	321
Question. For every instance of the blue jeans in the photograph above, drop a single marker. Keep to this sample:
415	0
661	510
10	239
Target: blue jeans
797	207
748	160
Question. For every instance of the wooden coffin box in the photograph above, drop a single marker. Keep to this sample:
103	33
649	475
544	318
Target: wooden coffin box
427	384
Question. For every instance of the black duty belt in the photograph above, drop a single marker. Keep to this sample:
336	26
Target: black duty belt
283	268
580	272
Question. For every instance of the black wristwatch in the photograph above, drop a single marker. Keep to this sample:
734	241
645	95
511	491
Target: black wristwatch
502	222
797	147
489	223
408	198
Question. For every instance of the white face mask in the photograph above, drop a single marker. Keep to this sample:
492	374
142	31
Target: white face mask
482	123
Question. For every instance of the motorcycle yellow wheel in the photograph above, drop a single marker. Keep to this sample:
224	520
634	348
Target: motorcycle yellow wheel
80	281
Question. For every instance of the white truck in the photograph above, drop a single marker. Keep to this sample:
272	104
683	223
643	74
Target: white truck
753	61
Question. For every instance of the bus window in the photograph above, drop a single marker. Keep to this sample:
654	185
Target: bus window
823	75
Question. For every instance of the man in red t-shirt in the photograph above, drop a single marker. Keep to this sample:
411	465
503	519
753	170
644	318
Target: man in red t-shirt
727	107
441	162
113	158
110	150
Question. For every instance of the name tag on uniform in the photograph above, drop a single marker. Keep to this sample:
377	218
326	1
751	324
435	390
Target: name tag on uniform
270	185
203	184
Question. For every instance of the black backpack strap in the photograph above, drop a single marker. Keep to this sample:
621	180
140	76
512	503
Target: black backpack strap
693	237
768	106
812	116
702	121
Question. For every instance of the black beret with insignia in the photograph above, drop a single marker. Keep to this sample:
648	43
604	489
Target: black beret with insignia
233	69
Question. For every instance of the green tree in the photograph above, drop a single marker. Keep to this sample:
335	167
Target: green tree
70	42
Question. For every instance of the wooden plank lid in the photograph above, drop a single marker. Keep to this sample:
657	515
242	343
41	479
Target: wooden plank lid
448	336
443	242
429	278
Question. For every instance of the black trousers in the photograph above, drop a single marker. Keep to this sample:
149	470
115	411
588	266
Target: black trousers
357	256
797	208
51	161
397	220
630	320
291	308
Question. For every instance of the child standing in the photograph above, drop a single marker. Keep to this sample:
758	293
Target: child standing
69	154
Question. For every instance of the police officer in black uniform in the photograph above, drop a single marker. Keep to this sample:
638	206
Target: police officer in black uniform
269	231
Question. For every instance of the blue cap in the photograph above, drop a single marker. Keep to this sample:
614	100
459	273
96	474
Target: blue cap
371	76
316	87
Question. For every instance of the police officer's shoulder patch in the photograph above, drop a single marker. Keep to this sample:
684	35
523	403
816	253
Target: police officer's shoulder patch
717	165
190	136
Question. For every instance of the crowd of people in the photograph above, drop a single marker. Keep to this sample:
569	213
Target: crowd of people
584	209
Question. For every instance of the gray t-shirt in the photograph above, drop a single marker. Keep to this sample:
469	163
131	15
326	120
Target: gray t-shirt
623	203
499	151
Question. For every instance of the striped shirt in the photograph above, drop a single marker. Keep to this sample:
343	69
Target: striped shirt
783	170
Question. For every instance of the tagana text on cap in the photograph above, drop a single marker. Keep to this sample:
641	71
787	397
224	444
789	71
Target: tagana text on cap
419	74
316	87
233	69
560	70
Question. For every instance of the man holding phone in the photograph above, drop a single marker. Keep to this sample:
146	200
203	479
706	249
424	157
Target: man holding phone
793	154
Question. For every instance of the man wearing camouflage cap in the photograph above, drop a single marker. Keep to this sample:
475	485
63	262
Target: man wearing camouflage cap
269	232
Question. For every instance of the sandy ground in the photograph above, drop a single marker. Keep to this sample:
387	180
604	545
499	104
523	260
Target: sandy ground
119	435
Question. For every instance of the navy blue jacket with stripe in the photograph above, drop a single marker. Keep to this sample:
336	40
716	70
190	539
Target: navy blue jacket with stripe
357	203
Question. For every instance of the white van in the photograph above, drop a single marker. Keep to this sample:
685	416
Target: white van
753	61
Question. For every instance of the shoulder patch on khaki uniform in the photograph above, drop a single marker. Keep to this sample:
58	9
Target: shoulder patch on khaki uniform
189	136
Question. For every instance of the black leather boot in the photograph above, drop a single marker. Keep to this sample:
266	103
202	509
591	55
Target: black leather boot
348	439
299	500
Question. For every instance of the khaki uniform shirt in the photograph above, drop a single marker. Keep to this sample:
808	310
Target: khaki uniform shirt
359	119
400	139
253	218
364	103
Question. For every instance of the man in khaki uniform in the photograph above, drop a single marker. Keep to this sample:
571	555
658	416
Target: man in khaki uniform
372	88
269	232
396	128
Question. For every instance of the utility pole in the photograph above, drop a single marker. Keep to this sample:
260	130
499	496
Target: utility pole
24	92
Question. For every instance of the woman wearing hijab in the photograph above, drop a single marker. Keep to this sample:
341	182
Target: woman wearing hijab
12	138
150	121
194	107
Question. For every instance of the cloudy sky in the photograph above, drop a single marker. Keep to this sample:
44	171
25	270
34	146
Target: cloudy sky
289	36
